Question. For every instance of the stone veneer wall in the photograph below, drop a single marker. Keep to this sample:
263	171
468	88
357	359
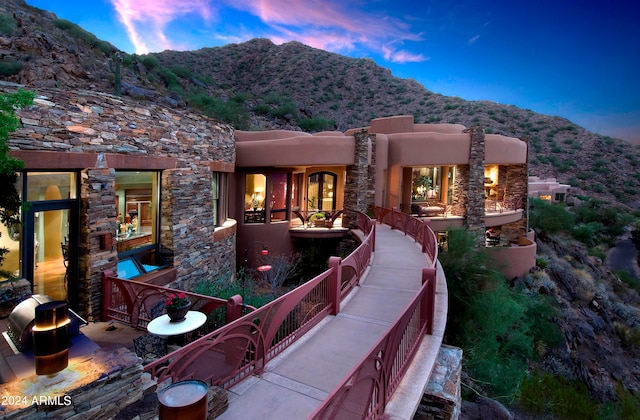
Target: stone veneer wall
131	135
97	215
461	191
517	187
359	193
442	398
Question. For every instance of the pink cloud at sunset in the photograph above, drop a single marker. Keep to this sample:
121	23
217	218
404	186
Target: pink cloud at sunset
145	21
326	25
470	49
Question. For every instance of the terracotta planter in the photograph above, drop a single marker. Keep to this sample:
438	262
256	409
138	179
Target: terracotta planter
178	314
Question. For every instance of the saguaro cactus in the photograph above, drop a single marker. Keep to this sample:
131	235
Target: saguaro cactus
115	66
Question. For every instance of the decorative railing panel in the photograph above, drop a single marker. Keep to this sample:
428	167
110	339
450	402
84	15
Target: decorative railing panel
355	264
243	347
135	303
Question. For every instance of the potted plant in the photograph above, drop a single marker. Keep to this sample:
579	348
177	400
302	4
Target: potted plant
177	306
318	219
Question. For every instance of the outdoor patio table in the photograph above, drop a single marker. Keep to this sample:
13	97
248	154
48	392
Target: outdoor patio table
163	326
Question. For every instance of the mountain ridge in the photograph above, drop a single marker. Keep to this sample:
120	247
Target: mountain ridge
260	85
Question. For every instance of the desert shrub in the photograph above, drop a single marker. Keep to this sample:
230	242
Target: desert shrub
587	232
225	286
547	217
230	112
496	326
7	25
150	62
182	72
262	109
9	67
544	394
316	124
284	268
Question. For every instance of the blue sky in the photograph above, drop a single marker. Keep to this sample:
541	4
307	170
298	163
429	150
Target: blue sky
577	59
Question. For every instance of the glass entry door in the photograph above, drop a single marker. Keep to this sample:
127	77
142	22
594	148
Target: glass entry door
49	244
321	187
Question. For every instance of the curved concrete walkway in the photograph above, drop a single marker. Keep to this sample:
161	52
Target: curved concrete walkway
295	383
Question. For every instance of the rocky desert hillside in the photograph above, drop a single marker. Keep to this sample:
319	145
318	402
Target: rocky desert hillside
259	85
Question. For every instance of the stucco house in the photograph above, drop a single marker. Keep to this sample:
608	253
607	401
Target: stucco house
172	197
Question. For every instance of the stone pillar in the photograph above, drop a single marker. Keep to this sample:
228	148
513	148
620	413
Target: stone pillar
475	203
97	217
461	191
517	188
187	224
359	193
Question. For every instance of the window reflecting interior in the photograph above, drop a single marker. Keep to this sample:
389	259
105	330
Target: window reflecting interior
254	198
295	190
215	186
43	186
425	184
137	195
51	253
10	240
278	199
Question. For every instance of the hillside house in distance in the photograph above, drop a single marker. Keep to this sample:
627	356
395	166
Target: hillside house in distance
172	197
548	189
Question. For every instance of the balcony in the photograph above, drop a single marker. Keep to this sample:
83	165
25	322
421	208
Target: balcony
317	224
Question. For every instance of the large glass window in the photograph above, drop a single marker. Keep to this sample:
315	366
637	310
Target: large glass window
254	198
137	198
434	184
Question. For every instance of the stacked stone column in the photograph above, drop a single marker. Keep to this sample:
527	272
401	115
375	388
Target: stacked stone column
97	213
359	194
475	188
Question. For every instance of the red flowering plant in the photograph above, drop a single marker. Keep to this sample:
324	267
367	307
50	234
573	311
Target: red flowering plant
176	301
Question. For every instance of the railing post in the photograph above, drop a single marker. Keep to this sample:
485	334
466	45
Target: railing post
335	283
107	295
425	231
234	308
393	217
428	303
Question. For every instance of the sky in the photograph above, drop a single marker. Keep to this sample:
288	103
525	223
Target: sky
578	59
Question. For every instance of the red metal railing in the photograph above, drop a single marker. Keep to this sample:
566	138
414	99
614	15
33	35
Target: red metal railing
418	229
136	303
365	392
355	264
244	346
